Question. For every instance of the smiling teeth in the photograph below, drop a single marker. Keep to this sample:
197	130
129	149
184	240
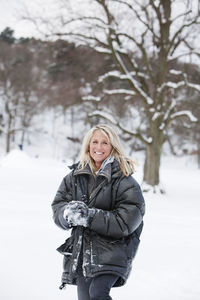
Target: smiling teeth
99	153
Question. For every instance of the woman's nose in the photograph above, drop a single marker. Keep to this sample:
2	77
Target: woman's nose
99	146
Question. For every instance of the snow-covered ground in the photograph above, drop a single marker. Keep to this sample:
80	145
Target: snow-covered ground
167	263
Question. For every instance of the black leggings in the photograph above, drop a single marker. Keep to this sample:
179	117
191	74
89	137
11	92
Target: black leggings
97	288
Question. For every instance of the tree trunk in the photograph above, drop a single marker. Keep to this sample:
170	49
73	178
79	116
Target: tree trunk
8	135
151	179
22	139
7	143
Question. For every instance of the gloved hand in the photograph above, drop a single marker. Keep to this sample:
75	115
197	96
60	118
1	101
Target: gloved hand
77	213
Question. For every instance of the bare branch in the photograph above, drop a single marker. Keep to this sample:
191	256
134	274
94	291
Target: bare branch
171	58
133	82
84	19
125	3
181	15
177	33
82	37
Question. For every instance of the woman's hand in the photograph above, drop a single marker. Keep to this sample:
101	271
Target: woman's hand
77	213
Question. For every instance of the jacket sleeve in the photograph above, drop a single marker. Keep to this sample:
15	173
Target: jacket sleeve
127	214
62	197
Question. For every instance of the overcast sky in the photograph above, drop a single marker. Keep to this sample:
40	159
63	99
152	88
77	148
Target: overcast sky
11	12
8	15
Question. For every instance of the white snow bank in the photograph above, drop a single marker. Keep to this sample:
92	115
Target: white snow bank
16	159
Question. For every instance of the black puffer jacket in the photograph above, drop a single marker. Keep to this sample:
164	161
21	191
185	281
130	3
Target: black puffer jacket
110	242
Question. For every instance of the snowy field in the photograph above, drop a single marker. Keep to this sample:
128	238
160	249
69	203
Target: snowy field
167	266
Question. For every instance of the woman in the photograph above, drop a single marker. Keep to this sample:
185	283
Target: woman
104	206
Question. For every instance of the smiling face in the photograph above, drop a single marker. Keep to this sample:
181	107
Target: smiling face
99	147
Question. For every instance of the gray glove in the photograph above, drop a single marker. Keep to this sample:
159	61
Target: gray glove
77	213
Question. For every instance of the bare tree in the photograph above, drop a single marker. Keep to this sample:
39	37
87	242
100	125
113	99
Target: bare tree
9	99
20	88
146	40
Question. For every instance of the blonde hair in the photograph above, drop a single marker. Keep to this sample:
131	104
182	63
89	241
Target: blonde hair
127	165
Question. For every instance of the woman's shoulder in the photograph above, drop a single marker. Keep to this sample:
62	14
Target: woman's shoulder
73	166
68	177
126	183
72	169
130	188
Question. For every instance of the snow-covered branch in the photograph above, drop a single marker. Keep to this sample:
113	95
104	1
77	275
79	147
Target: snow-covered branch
173	85
119	91
109	117
186	113
156	115
91	98
108	92
166	118
148	100
120	76
102	50
175	72
138	135
177	85
140	91
114	73
170	116
194	86
104	115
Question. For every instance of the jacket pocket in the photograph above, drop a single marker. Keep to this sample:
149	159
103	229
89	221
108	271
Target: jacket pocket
67	247
111	252
66	250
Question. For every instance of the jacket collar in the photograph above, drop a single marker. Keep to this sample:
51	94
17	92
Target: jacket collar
109	170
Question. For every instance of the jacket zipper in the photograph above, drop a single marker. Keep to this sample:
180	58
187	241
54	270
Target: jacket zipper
91	254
